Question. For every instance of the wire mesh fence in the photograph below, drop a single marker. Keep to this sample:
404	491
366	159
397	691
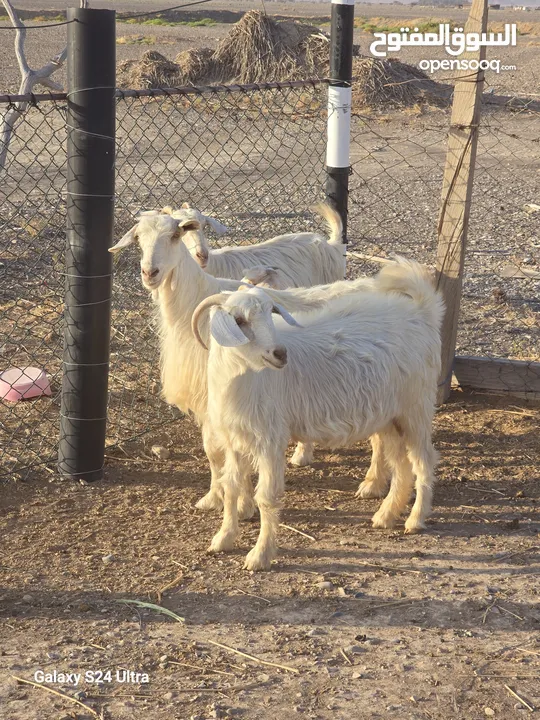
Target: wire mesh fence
253	158
398	164
32	242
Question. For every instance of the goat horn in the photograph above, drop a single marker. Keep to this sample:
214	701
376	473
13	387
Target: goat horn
205	304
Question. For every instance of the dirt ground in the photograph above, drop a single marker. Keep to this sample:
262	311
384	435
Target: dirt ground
369	624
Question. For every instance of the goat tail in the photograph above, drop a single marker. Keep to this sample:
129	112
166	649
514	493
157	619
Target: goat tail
414	280
333	220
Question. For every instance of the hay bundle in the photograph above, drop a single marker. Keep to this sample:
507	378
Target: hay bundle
151	71
196	65
253	51
258	49
316	58
390	84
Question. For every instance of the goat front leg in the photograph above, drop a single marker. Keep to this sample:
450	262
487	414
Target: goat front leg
231	484
268	496
213	500
303	455
376	482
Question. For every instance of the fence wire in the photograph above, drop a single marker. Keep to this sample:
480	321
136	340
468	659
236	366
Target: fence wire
254	159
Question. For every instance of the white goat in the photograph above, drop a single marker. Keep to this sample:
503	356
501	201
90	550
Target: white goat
364	363
292	260
301	259
265	277
178	285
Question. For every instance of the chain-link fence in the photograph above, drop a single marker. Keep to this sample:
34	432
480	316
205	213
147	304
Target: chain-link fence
398	163
253	158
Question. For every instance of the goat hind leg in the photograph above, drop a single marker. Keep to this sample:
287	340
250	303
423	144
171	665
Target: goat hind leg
246	501
303	455
423	457
213	500
376	482
402	481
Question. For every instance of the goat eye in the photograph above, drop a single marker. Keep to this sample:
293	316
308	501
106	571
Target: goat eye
176	235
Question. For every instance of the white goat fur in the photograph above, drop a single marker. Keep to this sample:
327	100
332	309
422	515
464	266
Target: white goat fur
178	288
301	259
365	363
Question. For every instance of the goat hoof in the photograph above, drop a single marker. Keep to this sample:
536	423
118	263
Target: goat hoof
222	542
246	508
210	501
369	489
414	529
301	458
383	520
256	560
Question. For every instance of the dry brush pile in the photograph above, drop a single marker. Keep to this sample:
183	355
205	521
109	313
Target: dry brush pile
260	49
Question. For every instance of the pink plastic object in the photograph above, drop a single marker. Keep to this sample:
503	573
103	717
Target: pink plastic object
23	383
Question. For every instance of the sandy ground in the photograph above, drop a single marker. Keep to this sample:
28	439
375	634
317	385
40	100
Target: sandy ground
370	624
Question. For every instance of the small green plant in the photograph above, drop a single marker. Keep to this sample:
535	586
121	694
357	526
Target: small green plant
48	18
135	40
203	22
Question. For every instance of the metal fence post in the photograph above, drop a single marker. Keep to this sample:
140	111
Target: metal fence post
339	107
90	216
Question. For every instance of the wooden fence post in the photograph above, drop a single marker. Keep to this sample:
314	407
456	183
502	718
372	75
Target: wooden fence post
457	192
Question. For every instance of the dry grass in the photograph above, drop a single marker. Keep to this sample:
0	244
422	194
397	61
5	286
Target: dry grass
257	49
196	63
384	84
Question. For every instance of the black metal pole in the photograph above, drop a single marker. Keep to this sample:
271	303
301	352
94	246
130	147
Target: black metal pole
90	215
339	107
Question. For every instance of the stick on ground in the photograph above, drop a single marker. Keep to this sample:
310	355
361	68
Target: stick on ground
57	692
288	527
252	657
530	708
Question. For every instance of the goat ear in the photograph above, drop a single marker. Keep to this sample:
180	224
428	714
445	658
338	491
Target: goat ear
185	205
128	238
280	310
167	210
189	224
216	226
225	331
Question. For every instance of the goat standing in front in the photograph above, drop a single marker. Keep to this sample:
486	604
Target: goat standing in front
364	364
291	260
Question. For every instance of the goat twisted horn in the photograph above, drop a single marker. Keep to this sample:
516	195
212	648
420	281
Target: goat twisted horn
205	304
